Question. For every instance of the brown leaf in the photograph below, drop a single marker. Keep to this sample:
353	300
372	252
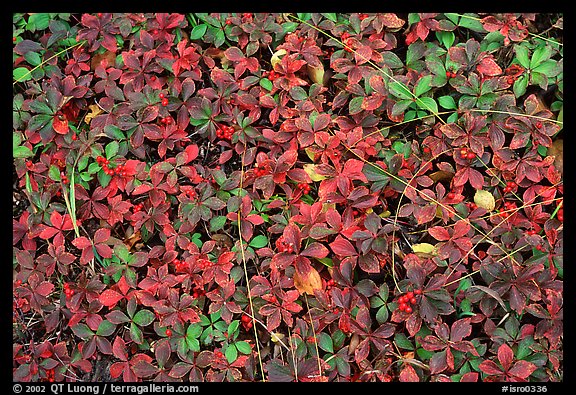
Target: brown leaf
309	283
441	175
133	239
316	73
107	59
95	110
557	151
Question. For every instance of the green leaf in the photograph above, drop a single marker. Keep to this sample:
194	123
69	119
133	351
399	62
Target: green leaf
106	328
243	347
193	344
233	327
427	103
522	56
330	15
198	32
194	331
54	173
39	21
33	58
82	331
520	86
304	16
21	74
549	68
382	315
447	102
231	353
471	23
143	317
540	55
259	241
355	105
447	38
402	341
266	84
136	334
22	152
112	149
400	90
325	342
423	85
217	223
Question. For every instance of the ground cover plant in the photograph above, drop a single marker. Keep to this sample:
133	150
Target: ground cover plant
287	197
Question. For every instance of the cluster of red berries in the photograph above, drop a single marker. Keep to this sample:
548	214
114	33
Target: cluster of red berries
538	125
204	263
197	292
138	207
348	41
508	206
179	265
471	205
271	75
246	321
50	375
163	98
247	15
450	74
362	16
69	292
465	153
225	132
119	170
166	120
64	178
509	186
330	284
259	171
282	246
409	298
305	188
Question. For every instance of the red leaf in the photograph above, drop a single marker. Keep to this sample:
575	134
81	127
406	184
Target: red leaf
119	350
48	232
343	247
439	233
81	243
505	356
110	297
522	369
60	125
469	377
489	67
44	288
408	374
101	235
315	250
255	219
490	368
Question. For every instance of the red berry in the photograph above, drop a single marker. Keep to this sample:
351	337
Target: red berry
417	292
409	294
426	150
245	318
402	306
471	155
412	300
451	195
168	332
448	74
402	299
408	309
161	95
74	137
538	124
164	102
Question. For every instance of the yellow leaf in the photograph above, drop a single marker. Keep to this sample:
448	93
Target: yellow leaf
95	110
276	56
310	169
316	74
424	250
309	283
276	337
485	200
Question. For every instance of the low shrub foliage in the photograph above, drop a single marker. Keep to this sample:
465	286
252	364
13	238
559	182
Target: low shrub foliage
287	197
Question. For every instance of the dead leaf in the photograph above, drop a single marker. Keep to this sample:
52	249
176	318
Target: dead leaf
316	74
222	240
485	200
310	169
132	240
276	56
105	59
309	283
557	151
424	250
95	110
441	175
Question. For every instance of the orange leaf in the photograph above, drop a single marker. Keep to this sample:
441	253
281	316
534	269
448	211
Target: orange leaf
309	283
